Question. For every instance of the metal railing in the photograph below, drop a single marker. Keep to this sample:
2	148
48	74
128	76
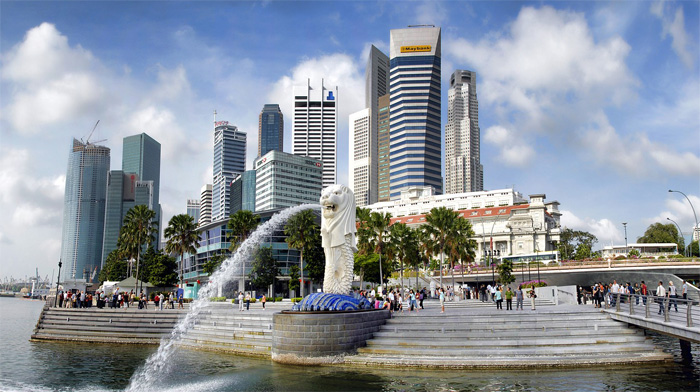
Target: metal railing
669	310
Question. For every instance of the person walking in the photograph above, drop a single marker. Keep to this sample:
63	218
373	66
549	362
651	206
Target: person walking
179	302
519	298
442	300
247	301
421	296
644	292
672	295
509	299
263	300
684	290
661	295
532	296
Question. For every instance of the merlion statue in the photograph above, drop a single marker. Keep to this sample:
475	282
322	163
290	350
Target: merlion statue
338	234
338	238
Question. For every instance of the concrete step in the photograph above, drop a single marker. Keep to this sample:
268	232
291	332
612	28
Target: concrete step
152	328
237	334
84	334
520	332
503	341
122	339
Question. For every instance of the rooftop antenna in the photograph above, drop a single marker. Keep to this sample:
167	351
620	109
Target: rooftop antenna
214	117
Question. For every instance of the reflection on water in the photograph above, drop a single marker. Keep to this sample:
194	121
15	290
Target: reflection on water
26	366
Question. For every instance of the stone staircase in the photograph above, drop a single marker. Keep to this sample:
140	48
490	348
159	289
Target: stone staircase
221	327
127	325
493	338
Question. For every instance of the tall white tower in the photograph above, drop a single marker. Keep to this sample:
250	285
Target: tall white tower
315	129
361	178
463	169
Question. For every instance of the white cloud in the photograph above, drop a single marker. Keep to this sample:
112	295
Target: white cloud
431	13
673	24
513	151
679	210
52	81
604	229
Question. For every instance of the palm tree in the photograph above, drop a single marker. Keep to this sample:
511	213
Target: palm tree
301	229
379	223
181	236
404	240
139	228
460	245
362	217
440	225
241	224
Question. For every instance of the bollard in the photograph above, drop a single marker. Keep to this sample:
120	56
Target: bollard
665	303
595	327
646	306
689	318
631	307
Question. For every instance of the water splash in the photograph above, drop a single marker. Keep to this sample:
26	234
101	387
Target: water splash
160	363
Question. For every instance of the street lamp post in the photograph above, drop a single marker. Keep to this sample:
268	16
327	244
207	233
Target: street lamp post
696	227
626	250
685	253
58	282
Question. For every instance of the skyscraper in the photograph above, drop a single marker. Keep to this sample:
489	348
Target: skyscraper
205	205
270	129
124	191
361	168
383	144
229	162
84	209
141	155
193	209
463	169
285	180
243	192
315	126
416	156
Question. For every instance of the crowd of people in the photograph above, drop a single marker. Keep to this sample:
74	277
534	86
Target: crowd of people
118	299
605	295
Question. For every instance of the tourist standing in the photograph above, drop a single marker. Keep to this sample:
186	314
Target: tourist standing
672	294
247	301
498	298
519	296
661	294
263	300
392	301
442	300
421	296
532	296
509	299
240	301
156	301
684	290
179	302
162	300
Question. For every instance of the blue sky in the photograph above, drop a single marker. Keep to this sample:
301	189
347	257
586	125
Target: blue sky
596	104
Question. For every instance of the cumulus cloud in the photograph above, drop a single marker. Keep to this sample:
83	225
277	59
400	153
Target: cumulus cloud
336	69
431	12
673	24
53	82
604	229
679	210
546	75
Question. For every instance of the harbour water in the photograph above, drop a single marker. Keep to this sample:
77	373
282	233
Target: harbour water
28	366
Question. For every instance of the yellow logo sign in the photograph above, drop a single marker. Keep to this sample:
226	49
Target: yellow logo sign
418	48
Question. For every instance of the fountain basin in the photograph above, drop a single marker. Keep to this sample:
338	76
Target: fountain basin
322	337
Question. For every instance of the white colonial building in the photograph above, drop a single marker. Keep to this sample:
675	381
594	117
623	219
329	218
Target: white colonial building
503	221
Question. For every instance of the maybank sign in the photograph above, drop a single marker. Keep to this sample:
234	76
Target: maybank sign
417	48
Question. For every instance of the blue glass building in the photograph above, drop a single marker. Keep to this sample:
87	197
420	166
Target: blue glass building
415	117
84	209
229	162
270	130
141	155
243	192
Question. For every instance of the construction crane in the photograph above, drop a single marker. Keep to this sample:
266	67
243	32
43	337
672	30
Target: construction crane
87	141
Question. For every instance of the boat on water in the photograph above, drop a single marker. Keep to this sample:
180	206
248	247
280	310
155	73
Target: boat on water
7	294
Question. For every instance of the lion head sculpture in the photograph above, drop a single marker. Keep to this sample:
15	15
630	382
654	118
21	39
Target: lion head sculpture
338	215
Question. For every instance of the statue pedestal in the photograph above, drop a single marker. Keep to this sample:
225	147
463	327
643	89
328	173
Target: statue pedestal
320	337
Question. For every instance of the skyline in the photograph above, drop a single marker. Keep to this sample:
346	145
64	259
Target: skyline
596	104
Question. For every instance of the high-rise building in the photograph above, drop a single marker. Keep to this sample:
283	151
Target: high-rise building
124	192
416	156
360	178
383	145
141	155
463	169
229	162
286	180
315	126
205	202
270	129
193	209
243	192
84	209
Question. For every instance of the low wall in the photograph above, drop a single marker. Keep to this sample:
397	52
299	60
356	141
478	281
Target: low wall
322	337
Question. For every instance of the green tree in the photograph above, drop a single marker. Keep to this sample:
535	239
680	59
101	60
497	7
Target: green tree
115	268
440	225
241	224
294	278
460	245
662	233
364	232
159	269
214	262
139	229
301	230
369	265
583	251
405	241
633	253
694	249
265	268
315	260
505	272
575	244
181	236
